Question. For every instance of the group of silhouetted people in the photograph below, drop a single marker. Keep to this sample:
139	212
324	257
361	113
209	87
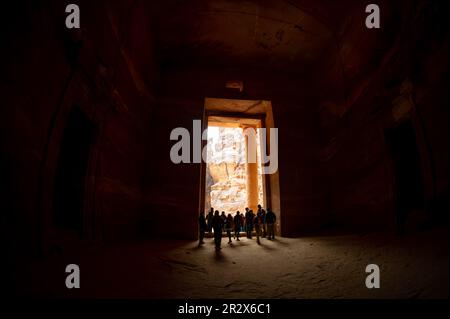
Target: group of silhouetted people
262	222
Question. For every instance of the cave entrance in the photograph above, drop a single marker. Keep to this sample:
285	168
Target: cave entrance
231	182
220	117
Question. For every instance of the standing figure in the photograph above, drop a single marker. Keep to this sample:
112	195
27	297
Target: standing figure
229	227
257	222
209	220
224	219
202	227
270	219
217	224
262	212
249	222
237	224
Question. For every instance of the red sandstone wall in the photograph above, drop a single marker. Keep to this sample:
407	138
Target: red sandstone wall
364	83
42	83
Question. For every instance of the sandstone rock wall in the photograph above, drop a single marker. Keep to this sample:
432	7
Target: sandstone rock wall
226	171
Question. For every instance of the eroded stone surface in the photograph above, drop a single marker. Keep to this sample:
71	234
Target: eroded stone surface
226	170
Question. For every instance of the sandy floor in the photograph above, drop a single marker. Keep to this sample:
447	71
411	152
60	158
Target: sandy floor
314	267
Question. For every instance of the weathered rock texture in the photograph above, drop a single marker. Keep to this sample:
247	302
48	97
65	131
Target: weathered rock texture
226	171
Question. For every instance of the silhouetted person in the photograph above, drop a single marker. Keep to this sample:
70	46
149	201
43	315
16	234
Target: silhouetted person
224	219
245	219
262	213
217	224
257	222
237	224
202	227
244	223
249	222
270	219
209	219
229	227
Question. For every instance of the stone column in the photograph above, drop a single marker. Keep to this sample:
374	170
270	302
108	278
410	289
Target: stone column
252	171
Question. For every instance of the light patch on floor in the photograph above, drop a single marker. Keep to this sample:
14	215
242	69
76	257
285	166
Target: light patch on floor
314	267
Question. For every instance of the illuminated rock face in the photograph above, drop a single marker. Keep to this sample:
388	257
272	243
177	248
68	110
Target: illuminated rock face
226	171
228	190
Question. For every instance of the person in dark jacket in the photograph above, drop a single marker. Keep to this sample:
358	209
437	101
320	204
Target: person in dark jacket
270	219
209	219
217	224
224	219
202	227
249	222
257	222
237	225
229	227
262	213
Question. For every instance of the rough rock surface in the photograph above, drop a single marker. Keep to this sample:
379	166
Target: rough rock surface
226	172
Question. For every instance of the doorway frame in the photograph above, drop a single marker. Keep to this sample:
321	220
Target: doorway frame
257	116
252	109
